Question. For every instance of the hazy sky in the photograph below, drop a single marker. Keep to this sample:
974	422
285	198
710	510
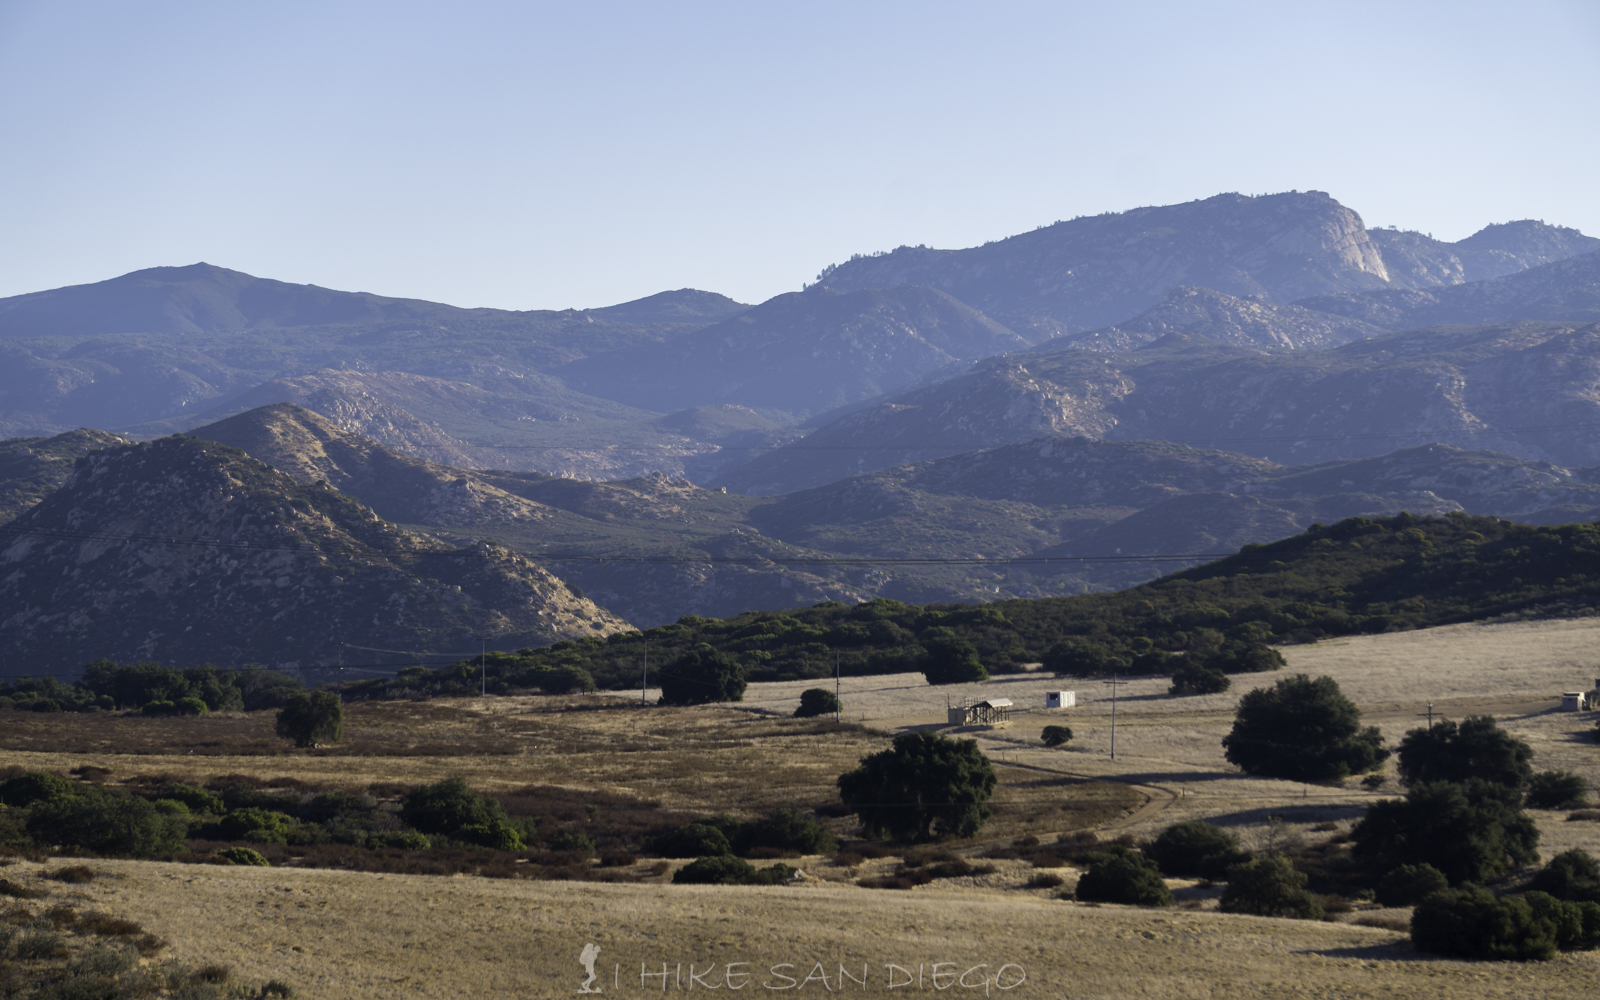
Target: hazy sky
529	155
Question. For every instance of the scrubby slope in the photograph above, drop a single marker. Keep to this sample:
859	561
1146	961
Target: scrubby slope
187	550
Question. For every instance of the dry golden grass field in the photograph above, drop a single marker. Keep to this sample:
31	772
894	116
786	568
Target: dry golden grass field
336	934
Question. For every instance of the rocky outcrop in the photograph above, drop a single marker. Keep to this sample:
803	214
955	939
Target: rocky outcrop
1226	320
1415	260
1527	390
1565	291
1094	271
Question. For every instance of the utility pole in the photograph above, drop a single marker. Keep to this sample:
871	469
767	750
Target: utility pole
483	668
1430	716
644	673
836	673
340	674
1113	682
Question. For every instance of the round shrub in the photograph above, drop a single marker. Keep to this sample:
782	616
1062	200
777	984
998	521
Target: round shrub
447	806
1557	790
261	826
1194	677
35	786
243	856
1571	875
815	702
1195	850
170	807
46	705
694	840
1268	886
1472	923
190	706
1409	885
1123	878
1054	736
497	834
721	869
408	840
159	708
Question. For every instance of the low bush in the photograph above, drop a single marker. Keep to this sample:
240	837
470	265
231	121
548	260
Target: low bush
1195	850
197	799
107	824
34	786
693	840
815	702
497	834
243	856
728	870
1557	790
447	806
1268	886
73	874
1123	878
1570	875
260	826
1409	885
1195	677
1472	923
1577	925
1054	736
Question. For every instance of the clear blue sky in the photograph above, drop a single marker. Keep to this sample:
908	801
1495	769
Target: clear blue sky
529	155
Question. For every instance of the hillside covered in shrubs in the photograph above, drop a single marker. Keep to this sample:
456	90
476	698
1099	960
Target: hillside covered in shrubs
1360	575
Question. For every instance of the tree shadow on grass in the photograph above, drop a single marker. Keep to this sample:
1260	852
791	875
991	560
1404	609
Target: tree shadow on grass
1324	813
1394	951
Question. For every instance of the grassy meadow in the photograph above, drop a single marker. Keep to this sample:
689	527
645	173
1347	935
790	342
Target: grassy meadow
338	931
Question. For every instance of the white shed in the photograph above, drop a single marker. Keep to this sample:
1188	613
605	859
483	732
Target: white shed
1060	699
1572	701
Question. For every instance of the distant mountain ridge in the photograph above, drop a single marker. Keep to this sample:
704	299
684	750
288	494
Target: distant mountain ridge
1512	388
799	353
204	298
1094	271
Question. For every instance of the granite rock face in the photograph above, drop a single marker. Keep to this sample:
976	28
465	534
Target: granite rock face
1525	389
1095	271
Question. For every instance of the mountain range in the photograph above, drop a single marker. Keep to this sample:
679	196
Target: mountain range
1070	514
1026	418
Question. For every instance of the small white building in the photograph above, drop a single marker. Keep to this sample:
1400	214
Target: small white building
1573	701
1060	699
